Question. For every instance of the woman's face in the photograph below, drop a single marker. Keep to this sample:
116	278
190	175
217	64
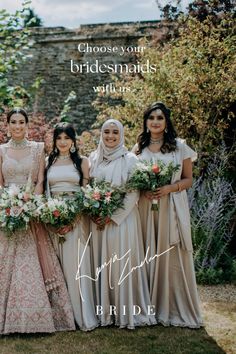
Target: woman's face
111	136
17	126
156	122
63	143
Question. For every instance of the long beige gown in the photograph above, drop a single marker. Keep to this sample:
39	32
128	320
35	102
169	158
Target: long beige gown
118	253
74	253
26	306
171	276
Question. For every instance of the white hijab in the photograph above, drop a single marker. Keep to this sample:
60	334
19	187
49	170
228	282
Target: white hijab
117	174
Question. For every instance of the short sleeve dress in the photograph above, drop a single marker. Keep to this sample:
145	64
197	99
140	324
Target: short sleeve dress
171	276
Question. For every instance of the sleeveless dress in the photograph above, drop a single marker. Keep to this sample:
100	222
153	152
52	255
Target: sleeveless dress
171	276
122	295
75	250
25	304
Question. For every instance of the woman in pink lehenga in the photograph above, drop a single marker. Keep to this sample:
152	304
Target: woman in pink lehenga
33	295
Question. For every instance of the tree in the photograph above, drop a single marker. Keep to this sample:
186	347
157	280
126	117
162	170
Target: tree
32	20
195	77
13	49
169	11
200	9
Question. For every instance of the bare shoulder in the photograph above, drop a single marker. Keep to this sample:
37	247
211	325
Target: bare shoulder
85	161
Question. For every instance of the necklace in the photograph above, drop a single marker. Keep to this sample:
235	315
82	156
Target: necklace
63	157
156	141
21	144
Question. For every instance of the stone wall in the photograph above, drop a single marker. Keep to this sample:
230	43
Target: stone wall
52	52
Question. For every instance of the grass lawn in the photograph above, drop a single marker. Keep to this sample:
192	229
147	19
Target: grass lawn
218	336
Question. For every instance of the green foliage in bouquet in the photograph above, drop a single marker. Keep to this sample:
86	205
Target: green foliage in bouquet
17	207
101	199
59	211
150	176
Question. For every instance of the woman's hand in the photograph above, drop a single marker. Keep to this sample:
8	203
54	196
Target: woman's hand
148	195
159	193
162	191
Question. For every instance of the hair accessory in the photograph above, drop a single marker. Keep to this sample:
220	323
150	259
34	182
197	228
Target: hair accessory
17	109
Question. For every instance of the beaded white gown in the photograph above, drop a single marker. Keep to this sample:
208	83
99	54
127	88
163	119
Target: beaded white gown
26	306
74	253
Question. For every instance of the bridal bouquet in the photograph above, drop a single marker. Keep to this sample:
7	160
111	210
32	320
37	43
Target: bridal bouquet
101	200
149	175
58	212
17	208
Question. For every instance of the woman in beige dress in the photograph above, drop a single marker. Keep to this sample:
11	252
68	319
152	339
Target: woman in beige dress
66	172
122	295
33	295
171	276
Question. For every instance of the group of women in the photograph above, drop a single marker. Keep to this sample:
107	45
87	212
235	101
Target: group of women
135	270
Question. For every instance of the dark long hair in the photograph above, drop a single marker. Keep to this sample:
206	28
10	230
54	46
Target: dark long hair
69	130
17	111
169	143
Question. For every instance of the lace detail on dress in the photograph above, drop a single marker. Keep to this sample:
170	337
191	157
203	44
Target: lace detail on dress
18	171
25	304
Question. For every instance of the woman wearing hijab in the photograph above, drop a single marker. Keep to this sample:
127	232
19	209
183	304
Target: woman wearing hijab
122	295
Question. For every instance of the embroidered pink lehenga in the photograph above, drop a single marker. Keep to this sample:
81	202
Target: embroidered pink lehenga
33	295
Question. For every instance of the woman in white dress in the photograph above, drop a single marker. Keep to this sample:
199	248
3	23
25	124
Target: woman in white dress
66	172
33	295
122	295
172	281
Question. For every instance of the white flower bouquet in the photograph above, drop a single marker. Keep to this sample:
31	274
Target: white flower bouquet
17	208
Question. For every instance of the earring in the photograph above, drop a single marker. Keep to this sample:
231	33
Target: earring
56	150
72	148
148	130
166	131
26	134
